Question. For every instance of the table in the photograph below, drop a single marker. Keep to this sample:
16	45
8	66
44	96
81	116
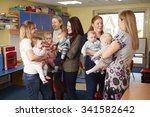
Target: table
137	91
15	75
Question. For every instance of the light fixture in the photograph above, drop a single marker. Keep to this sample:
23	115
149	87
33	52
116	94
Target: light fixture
69	2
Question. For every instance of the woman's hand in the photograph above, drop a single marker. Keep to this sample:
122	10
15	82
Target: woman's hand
90	52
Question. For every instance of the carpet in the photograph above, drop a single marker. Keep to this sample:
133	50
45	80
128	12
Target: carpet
19	93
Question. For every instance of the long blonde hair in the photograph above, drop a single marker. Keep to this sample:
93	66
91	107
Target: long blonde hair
25	29
130	23
59	20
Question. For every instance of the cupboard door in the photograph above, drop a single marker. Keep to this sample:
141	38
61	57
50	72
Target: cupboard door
46	22
24	16
36	19
65	19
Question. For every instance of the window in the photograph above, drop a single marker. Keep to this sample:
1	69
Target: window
111	22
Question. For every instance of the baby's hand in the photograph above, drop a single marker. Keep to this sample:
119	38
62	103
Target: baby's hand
84	54
44	48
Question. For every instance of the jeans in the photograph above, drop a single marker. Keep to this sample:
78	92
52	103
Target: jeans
34	85
92	80
70	84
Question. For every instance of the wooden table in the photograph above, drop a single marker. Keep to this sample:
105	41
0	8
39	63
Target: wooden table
137	91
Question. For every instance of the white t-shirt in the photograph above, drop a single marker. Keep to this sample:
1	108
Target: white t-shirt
56	33
25	45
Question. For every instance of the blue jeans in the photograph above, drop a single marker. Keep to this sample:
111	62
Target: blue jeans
34	85
92	80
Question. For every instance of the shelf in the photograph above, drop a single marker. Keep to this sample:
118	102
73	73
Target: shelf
11	70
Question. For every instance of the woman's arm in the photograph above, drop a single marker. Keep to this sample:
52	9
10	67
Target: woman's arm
75	47
114	47
34	57
90	52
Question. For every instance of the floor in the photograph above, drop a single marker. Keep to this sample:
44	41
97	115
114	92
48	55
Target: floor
18	93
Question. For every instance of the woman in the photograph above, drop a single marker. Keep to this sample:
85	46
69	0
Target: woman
57	24
71	63
31	78
122	48
94	78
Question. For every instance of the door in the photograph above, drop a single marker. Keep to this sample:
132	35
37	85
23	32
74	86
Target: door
24	16
46	22
36	19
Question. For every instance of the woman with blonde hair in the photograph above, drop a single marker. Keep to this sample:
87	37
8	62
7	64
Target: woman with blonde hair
123	47
57	24
30	76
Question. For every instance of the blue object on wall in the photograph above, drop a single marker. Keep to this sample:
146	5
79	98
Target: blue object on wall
1	62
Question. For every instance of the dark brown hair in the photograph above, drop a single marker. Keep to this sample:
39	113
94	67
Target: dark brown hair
76	27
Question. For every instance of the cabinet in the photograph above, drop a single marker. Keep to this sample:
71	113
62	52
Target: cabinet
23	16
46	22
145	75
42	21
8	21
65	19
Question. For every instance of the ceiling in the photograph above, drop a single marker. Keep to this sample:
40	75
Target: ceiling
86	3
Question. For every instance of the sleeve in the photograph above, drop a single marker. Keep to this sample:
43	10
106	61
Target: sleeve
83	40
27	45
42	52
83	50
120	38
74	48
39	52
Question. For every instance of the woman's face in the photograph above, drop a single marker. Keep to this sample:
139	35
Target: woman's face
33	29
69	28
56	24
98	25
121	25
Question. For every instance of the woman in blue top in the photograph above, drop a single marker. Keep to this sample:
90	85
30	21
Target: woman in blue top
93	79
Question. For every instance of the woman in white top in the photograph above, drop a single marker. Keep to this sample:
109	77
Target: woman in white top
57	24
30	75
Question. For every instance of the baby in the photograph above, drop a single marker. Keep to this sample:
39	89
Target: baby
63	46
50	47
92	43
101	64
39	50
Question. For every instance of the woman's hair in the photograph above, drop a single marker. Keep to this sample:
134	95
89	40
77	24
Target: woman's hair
130	23
96	17
76	27
25	29
59	20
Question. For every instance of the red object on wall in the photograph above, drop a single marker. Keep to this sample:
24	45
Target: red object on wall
10	57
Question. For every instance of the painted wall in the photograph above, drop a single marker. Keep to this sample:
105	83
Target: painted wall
85	14
4	8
